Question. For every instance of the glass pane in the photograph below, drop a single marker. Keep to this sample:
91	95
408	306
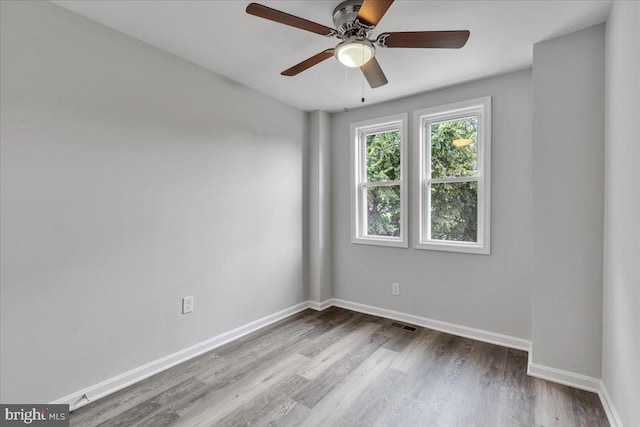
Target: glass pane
383	211
454	148
454	211
383	156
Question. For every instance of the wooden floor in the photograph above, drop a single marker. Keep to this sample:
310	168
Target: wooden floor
342	368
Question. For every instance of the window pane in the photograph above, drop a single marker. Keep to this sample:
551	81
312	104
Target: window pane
383	210
454	211
454	148
383	156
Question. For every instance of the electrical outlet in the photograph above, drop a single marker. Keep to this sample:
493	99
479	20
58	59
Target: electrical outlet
395	289
187	305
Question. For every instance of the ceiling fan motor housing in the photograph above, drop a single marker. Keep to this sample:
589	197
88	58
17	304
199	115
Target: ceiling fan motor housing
345	20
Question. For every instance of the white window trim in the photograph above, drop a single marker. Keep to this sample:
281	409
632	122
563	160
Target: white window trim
480	107
357	178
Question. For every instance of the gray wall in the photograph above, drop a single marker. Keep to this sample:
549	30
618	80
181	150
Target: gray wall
485	292
568	151
621	337
320	280
131	178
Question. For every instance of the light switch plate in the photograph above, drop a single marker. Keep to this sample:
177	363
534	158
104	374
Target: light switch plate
395	289
187	305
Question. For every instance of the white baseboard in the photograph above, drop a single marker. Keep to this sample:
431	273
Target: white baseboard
92	393
560	376
111	385
438	325
582	382
609	409
319	306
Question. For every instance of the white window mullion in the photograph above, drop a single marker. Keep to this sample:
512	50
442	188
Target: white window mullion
382	184
362	212
362	175
454	179
427	213
481	212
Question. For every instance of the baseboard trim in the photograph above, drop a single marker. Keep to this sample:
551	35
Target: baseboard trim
609	408
438	325
319	306
92	393
560	376
580	381
111	385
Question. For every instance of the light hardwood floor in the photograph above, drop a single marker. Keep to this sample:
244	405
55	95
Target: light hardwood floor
342	368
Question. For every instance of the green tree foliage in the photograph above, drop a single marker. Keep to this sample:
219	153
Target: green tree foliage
454	211
453	205
454	208
383	202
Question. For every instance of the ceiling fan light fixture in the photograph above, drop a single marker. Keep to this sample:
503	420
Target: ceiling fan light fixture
355	53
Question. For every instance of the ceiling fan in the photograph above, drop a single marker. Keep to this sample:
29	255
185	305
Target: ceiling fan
355	21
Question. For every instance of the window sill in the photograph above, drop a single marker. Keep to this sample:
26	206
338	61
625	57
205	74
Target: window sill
377	241
468	248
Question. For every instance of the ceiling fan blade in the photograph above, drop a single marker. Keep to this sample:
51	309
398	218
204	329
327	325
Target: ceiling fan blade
427	39
374	74
287	19
308	63
372	11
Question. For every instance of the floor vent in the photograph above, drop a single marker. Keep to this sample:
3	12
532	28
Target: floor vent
404	327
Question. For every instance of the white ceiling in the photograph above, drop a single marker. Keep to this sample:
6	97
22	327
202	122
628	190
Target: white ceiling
220	36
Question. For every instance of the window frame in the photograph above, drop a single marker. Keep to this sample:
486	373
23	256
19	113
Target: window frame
358	180
480	108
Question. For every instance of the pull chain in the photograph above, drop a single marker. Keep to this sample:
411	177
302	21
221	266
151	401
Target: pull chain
362	98
346	88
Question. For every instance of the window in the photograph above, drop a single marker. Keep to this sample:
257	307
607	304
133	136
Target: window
453	156
378	189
